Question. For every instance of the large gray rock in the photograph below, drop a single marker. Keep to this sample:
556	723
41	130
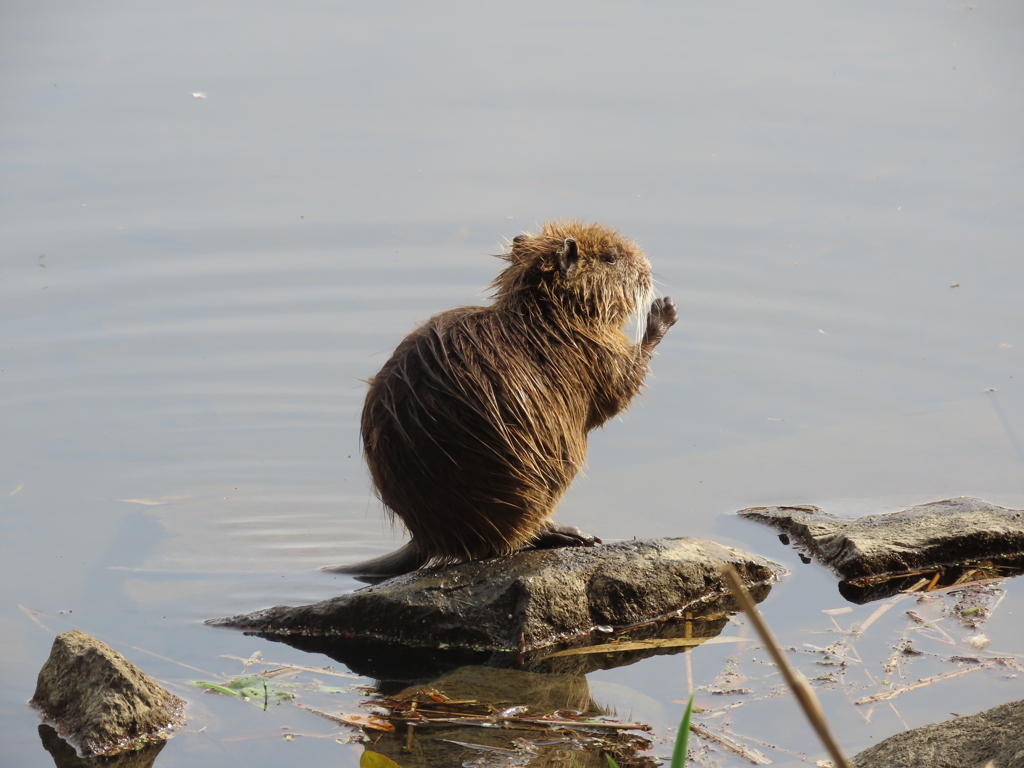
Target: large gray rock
941	533
99	700
966	742
524	602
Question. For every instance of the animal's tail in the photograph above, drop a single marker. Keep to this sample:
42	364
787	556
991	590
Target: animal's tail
402	560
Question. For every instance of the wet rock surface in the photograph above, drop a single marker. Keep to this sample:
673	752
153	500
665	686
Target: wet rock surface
946	532
995	735
525	602
100	701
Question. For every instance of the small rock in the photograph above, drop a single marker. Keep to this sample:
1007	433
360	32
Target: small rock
941	533
100	701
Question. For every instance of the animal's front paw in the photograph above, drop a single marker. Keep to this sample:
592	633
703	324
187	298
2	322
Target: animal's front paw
662	316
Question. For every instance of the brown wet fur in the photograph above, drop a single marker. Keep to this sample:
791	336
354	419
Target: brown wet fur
477	425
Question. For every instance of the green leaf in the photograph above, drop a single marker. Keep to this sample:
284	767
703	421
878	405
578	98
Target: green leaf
376	760
679	753
252	687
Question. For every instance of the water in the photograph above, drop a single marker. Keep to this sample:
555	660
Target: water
192	289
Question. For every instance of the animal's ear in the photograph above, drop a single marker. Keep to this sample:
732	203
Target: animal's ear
516	251
568	255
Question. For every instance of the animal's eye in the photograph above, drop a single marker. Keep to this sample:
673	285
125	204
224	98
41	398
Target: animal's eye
609	256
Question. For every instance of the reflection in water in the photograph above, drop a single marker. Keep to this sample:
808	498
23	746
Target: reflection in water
531	708
929	580
528	718
65	756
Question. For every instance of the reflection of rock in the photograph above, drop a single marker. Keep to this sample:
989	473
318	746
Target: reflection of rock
65	756
521	695
101	701
520	604
503	688
869	588
996	735
634	644
956	531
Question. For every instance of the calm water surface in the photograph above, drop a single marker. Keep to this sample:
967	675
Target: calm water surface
218	222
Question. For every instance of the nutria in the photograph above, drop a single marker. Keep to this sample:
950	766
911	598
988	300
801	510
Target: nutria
478	423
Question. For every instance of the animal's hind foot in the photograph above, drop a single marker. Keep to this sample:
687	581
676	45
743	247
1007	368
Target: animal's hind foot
556	535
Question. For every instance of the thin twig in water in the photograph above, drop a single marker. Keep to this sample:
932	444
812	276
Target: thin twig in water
878	613
898	715
33	617
753	755
318	670
483	747
922	683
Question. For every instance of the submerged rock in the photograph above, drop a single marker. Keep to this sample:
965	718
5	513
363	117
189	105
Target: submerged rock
948	532
524	602
100	701
996	735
